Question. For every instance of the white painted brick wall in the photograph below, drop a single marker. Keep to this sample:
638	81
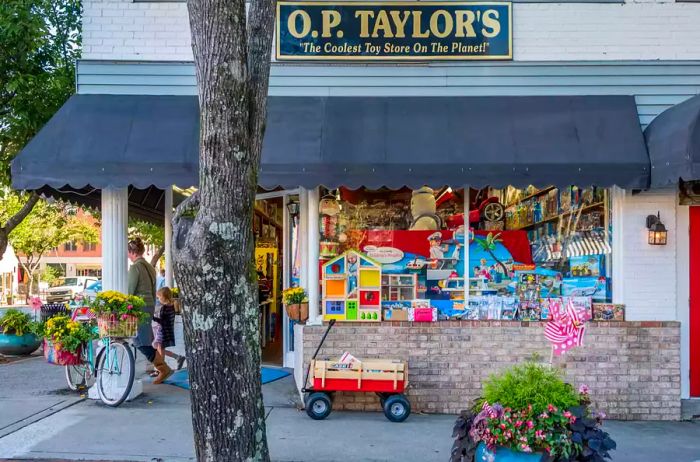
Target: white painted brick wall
649	271
638	30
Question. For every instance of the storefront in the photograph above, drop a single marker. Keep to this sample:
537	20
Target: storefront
440	210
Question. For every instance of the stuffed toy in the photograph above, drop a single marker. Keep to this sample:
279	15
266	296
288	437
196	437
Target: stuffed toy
423	211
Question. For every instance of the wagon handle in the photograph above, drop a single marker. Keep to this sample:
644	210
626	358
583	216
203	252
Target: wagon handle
323	339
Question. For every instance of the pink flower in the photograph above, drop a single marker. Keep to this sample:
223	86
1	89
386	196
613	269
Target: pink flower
539	434
530	424
129	307
567	414
124	317
518	424
544	415
502	426
583	389
551	408
525	448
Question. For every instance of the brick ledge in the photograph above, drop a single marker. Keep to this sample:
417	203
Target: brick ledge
464	323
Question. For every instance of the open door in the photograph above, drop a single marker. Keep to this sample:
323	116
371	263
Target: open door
276	233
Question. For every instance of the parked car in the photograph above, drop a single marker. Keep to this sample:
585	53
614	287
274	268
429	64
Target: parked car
92	290
64	289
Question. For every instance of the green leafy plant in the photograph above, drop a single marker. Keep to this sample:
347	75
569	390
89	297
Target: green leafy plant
119	305
67	335
17	323
529	384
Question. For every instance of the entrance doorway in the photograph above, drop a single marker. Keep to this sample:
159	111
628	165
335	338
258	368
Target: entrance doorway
274	227
694	280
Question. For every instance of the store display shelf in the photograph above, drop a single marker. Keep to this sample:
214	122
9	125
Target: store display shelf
267	217
562	215
530	196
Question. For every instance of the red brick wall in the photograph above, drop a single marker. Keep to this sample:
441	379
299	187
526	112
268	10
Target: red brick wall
633	368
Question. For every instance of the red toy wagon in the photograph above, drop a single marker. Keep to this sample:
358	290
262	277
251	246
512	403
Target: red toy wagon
388	378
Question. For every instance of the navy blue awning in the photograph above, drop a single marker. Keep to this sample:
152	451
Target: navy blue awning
114	141
673	141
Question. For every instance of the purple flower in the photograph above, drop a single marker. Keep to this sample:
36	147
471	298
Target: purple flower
583	389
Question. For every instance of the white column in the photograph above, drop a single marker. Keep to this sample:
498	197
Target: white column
312	250
618	273
466	247
303	240
115	205
168	236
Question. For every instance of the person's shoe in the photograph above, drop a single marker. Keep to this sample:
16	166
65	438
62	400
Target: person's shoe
164	372
180	362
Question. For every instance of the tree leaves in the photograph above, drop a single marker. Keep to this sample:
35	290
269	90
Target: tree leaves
40	43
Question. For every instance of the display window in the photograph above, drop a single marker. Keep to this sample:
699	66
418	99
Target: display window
408	255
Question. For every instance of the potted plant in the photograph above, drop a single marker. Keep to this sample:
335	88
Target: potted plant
296	304
529	414
118	314
18	334
64	339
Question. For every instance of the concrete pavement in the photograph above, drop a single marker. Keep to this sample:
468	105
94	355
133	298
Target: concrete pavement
157	426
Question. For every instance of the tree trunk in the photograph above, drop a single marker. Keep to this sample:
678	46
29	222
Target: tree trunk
213	240
15	220
156	256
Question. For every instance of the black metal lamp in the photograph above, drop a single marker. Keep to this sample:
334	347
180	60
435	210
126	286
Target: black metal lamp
657	230
293	209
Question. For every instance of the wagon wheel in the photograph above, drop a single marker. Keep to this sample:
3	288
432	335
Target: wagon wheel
493	211
318	405
397	408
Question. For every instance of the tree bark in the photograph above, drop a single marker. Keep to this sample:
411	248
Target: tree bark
156	256
213	243
15	220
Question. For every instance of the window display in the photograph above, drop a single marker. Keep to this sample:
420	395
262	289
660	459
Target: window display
524	251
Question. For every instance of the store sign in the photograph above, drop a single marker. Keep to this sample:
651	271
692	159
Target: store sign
383	255
371	31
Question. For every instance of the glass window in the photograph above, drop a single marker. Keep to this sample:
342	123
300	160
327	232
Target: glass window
70	246
89	246
401	255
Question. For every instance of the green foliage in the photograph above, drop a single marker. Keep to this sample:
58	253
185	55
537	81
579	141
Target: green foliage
40	43
532	384
16	322
67	335
49	274
150	233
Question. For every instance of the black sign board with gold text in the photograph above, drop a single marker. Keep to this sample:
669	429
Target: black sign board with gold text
371	31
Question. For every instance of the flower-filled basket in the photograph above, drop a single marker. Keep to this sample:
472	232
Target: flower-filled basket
64	340
118	315
296	304
112	325
56	356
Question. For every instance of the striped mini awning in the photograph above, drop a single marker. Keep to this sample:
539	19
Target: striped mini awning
553	248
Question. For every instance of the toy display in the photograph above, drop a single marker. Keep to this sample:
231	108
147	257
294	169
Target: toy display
527	248
352	288
608	312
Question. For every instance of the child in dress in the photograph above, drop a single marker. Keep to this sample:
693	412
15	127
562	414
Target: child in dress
163	326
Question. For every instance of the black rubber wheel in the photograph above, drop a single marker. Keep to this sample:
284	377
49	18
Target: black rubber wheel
397	408
382	398
318	405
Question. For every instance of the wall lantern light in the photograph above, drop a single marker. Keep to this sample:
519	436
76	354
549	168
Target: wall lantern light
293	209
657	230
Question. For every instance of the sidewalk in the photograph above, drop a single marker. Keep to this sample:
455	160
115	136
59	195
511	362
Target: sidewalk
157	426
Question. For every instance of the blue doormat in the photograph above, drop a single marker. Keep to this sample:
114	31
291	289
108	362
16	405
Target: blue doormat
181	378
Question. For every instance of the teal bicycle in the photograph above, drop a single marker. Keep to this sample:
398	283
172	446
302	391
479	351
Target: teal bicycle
110	364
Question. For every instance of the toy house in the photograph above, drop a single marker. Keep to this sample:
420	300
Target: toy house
352	288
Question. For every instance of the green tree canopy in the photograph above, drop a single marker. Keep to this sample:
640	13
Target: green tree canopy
40	41
47	226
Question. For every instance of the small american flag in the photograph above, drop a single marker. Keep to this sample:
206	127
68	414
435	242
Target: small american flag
83	313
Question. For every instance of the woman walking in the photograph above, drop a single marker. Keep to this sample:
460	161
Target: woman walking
142	283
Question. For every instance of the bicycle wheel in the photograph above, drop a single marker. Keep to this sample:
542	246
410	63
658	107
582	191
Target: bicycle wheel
80	376
115	373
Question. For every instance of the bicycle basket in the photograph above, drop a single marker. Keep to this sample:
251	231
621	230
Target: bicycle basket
60	357
116	327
